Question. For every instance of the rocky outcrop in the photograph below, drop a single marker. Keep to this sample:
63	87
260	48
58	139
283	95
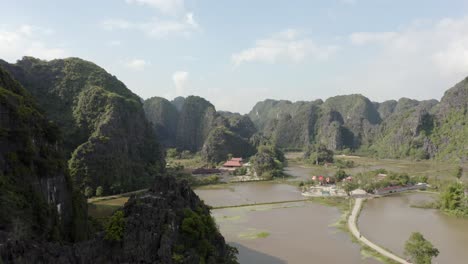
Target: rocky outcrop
450	134
36	196
193	124
221	142
405	132
196	119
106	135
168	224
164	117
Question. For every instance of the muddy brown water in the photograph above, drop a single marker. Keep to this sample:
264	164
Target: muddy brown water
298	232
389	222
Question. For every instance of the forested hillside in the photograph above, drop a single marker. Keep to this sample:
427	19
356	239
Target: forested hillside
193	124
393	129
37	199
108	141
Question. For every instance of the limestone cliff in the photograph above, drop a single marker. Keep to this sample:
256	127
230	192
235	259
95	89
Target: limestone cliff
106	135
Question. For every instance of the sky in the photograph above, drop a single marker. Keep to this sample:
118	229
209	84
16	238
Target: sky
236	53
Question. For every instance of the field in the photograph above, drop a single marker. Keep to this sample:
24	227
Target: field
432	169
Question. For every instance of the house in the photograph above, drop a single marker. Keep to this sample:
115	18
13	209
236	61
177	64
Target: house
233	164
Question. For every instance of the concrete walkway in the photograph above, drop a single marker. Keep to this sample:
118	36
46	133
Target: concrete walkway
355	231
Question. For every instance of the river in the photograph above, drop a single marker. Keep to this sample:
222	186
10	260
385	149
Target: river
389	221
297	232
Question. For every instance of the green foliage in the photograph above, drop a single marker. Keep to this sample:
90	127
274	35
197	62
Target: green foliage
99	191
105	131
88	192
268	162
344	164
458	172
222	142
340	175
172	153
453	200
186	154
115	227
319	154
31	157
419	249
197	230
240	171
350	186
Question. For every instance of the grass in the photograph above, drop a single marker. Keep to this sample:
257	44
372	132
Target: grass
253	234
430	168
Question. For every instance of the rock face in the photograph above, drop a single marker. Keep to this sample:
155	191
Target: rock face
193	124
164	117
36	196
404	131
168	224
221	142
450	136
392	129
106	135
196	119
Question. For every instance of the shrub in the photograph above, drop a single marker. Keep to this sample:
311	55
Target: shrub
99	191
115	227
172	153
88	191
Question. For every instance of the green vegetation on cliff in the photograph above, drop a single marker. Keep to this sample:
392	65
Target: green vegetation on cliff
404	129
106	135
36	195
222	142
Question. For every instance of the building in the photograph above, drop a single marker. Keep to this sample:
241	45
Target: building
233	164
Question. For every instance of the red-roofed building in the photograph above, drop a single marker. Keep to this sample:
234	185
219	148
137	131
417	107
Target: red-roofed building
233	163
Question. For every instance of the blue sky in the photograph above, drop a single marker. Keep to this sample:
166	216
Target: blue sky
235	53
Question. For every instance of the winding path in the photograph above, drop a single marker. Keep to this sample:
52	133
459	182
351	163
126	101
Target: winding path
355	231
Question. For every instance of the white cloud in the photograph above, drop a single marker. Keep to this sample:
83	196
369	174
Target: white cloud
180	79
137	64
156	27
421	60
27	40
283	46
362	38
172	7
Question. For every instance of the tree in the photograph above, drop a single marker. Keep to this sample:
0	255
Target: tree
340	175
99	191
88	192
459	172
350	186
319	154
420	250
115	227
172	153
